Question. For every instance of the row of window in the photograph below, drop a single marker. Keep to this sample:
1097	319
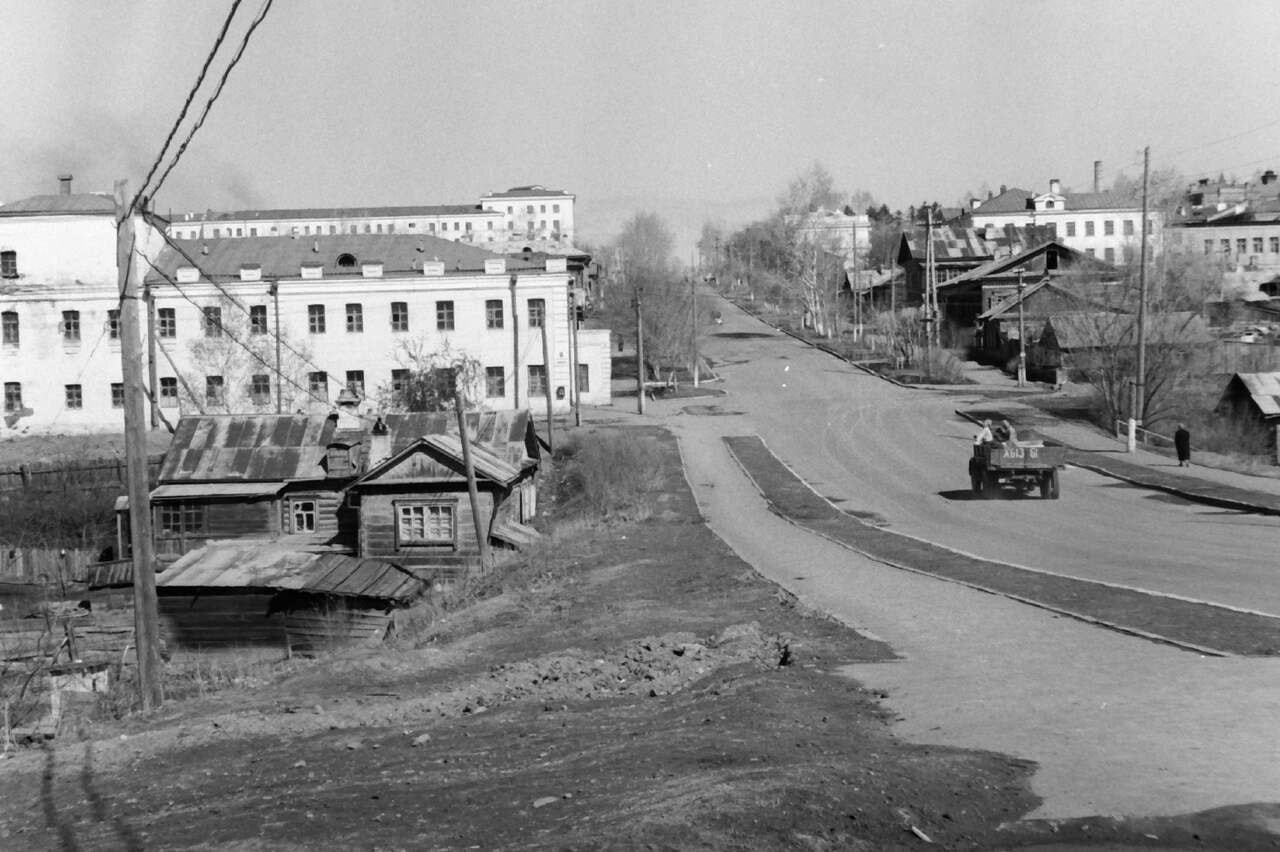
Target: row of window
317	385
368	228
1108	228
542	208
1242	245
211	320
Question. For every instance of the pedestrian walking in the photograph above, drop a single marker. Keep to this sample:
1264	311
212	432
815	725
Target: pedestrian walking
1182	443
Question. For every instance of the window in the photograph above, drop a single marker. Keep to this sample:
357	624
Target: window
368	229
217	232
71	326
1088	228
424	524
1242	245
355	229
493	313
444	316
9	324
495	382
1275	245
253	232
212	318
74	397
168	391
379	227
431	227
12	397
555	225
113	324
260	389
1109	227
239	232
555	208
167	322
302	516
355	382
214	390
1091	252
1208	246
355	317
537	311
318	385
537	380
584	378
315	319
468	227
1053	230
1226	246
528	208
347	261
117	394
1071	229
8	264
1109	255
391	228
399	380
257	319
180	518
399	316
455	226
1049	205
1128	227
1257	245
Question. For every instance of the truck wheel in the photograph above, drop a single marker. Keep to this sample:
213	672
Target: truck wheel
1049	485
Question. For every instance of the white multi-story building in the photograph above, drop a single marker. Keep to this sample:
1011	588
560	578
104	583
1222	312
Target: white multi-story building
531	217
267	324
1104	225
835	230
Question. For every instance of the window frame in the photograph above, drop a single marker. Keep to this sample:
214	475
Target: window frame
166	323
537	311
316	323
167	394
399	317
181	518
215	390
356	385
260	388
493	314
70	327
211	320
495	377
537	375
73	397
445	315
258	319
13	397
296	508
117	394
9	264
10	328
410	507
113	324
318	384
354	317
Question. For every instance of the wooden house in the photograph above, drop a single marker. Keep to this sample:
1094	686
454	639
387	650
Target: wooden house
1253	400
1069	341
956	251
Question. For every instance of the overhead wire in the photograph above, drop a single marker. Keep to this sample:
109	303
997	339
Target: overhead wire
182	114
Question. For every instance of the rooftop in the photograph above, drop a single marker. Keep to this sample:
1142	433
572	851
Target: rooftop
534	191
314	213
62	204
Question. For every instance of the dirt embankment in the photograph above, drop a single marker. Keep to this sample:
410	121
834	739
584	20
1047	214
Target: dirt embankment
632	686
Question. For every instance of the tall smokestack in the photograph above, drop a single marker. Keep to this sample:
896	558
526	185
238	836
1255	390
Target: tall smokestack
64	184
1097	176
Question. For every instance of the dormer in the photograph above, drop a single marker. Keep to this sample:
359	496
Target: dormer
371	269
312	269
250	272
342	458
188	274
557	264
433	267
495	266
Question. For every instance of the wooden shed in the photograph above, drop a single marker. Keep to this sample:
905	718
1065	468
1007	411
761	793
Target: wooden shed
1253	400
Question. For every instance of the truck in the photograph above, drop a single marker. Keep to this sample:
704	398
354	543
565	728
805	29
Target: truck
1024	465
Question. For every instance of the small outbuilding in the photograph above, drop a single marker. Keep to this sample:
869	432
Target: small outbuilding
1253	400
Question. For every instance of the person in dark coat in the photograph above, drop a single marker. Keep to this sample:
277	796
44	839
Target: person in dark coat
1182	443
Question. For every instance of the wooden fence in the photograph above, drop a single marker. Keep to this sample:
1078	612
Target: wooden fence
54	477
44	566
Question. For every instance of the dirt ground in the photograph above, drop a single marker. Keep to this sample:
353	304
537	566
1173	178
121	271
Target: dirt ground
630	686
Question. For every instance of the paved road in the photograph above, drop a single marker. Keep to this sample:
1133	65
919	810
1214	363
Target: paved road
900	455
1118	725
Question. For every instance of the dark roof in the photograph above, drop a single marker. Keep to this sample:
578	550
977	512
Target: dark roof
329	213
1263	388
1092	329
956	242
504	432
534	191
78	204
284	257
487	464
1100	201
1033	262
252	447
285	563
1010	201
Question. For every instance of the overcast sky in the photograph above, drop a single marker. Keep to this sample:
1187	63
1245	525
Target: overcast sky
694	110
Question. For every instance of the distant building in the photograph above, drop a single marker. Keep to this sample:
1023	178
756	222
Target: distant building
835	231
956	251
1237	224
523	217
1104	225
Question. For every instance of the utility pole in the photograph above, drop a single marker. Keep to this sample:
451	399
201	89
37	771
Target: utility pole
693	325
1022	335
145	615
546	371
1139	412
856	289
515	346
275	309
473	494
152	382
573	353
930	311
639	353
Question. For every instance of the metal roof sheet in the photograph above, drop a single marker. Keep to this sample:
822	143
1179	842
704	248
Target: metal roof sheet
280	564
81	203
1265	390
216	489
265	447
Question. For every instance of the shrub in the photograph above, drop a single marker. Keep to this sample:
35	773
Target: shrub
608	475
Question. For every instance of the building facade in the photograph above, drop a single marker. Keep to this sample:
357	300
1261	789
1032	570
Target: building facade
271	325
1237	224
531	217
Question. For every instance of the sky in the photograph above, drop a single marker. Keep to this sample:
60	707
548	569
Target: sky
696	111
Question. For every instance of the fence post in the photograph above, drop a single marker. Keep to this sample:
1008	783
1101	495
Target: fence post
1133	435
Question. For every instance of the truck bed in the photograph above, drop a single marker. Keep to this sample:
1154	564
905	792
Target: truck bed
1011	455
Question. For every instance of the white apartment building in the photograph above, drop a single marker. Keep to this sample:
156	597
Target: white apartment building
531	217
1237	224
1104	225
266	324
836	230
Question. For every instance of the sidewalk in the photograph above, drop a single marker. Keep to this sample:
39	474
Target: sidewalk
1092	450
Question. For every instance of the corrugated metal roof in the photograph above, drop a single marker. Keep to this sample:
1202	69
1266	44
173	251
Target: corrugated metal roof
77	204
280	564
1091	329
1012	200
1265	390
283	257
216	489
486	463
265	448
501	432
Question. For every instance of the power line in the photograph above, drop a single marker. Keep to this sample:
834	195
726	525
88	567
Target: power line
173	131
244	42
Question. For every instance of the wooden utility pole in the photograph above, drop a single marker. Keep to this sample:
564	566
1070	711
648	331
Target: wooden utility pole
145	615
152	382
1022	335
546	372
275	309
1139	396
482	539
929	318
515	346
639	353
857	293
573	354
693	326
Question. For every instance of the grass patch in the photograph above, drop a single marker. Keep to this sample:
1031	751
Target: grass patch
607	475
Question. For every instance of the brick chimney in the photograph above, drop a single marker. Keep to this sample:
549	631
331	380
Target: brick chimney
64	184
1055	186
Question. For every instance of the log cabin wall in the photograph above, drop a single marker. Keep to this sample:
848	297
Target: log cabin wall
234	518
380	535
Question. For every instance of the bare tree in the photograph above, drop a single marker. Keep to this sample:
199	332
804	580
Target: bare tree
431	377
